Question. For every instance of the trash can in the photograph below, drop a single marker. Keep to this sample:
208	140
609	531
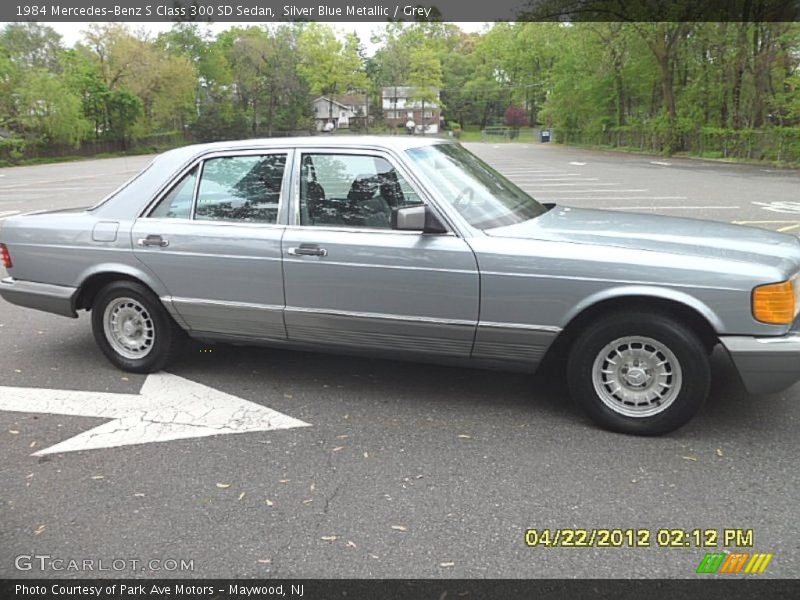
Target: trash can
544	136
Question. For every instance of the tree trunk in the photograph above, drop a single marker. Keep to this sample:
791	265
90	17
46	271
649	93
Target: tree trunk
668	95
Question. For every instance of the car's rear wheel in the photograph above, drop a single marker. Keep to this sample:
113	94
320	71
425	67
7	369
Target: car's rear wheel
639	373
133	329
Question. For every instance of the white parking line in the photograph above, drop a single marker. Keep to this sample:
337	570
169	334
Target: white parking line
563	184
525	174
36	188
711	207
535	180
9	213
522	171
595	191
621	198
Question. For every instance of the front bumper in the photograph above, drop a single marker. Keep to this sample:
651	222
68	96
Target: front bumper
765	364
56	299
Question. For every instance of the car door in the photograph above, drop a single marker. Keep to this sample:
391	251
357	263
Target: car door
214	241
352	281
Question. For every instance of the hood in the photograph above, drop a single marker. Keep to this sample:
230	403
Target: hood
674	235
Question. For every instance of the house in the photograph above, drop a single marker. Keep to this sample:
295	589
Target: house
343	111
400	104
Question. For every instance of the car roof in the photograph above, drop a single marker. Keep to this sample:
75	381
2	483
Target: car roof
392	142
127	200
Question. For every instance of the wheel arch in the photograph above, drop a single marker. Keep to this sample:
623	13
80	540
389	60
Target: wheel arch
679	305
94	279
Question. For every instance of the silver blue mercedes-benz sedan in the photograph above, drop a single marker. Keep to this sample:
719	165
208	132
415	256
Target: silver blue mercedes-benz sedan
413	248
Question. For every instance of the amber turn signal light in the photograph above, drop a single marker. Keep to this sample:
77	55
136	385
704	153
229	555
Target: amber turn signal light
775	303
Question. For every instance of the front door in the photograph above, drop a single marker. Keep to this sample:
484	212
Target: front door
352	281
214	241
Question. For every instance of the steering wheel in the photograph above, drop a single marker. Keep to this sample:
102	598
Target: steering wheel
466	192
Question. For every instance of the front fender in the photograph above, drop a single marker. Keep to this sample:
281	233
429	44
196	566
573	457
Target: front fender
649	291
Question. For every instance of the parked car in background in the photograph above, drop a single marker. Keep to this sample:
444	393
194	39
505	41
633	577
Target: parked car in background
413	248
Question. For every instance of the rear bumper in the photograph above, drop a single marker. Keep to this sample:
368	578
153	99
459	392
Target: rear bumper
765	364
56	299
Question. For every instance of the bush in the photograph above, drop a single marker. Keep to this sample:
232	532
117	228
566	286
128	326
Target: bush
12	149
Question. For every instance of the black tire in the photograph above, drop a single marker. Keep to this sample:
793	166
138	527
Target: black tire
693	373
165	339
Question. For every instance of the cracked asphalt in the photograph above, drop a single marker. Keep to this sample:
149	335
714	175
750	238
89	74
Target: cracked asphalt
407	470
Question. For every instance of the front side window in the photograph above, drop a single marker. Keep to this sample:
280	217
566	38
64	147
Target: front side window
480	194
348	190
241	189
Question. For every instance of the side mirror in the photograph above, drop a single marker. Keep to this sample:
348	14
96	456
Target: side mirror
417	218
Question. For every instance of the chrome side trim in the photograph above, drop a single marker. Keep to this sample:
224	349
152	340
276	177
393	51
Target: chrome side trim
225	303
605	280
379	316
525	326
210	255
362	315
375	266
198	223
372	230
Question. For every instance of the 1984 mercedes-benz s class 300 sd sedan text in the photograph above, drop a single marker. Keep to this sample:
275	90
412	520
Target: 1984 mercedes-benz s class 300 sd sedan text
414	248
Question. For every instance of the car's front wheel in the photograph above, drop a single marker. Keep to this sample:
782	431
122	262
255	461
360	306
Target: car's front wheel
133	329
639	373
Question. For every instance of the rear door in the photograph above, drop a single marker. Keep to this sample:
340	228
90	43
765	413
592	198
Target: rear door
214	241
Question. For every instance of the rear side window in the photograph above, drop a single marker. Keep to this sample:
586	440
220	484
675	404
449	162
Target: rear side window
241	189
177	204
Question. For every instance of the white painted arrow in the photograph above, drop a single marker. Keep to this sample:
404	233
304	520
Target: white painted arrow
168	407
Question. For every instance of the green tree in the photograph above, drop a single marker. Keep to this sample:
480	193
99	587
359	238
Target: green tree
328	66
425	76
50	111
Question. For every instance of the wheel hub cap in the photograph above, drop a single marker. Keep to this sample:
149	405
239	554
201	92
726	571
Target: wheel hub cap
637	376
129	328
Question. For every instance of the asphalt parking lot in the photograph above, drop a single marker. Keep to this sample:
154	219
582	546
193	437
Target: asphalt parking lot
404	470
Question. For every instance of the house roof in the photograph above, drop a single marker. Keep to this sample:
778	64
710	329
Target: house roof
345	100
399	91
351	99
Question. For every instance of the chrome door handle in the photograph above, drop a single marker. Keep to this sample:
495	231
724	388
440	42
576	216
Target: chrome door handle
308	250
153	240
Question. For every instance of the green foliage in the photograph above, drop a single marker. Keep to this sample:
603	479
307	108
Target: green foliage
124	108
716	89
49	111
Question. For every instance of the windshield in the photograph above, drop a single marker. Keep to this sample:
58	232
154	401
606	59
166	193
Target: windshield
480	194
